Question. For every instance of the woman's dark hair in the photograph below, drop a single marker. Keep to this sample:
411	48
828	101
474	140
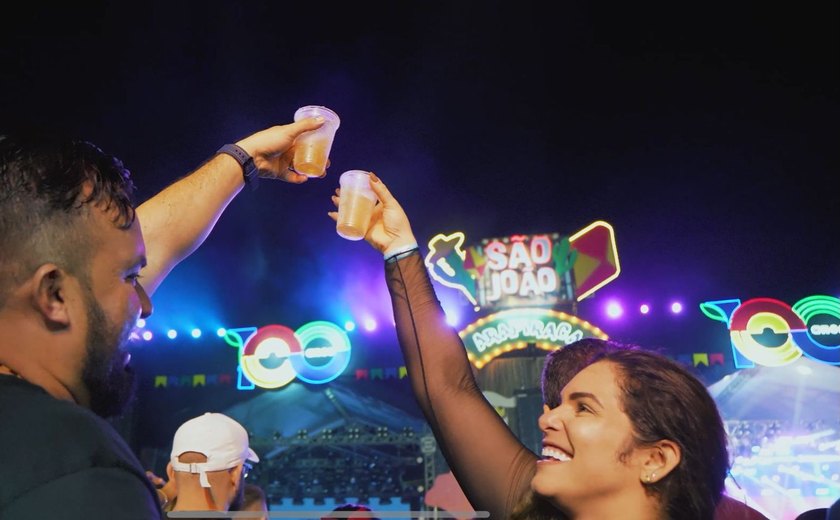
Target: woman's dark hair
351	507
563	364
663	401
253	494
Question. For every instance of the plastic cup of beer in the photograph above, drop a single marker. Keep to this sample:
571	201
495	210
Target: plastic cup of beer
312	149
355	206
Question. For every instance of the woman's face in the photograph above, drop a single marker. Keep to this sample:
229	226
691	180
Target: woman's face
587	452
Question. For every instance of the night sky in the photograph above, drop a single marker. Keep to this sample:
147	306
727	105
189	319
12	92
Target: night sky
706	135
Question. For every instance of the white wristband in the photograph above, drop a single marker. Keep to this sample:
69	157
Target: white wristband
394	252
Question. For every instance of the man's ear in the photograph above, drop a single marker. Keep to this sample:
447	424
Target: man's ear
659	460
170	472
235	474
49	293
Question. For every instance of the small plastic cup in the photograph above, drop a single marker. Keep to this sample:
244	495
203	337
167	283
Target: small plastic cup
355	205
312	149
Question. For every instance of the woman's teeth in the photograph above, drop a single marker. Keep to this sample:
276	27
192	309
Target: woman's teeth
554	453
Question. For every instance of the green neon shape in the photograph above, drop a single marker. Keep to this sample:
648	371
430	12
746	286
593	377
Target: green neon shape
714	312
806	308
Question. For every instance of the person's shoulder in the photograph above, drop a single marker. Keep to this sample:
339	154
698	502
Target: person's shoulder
96	492
729	508
44	418
45	438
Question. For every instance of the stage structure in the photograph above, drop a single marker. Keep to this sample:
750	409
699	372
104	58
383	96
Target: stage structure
356	462
325	444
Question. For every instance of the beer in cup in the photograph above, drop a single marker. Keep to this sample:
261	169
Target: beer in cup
312	148
355	205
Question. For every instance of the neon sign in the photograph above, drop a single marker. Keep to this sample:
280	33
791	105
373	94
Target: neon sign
523	268
504	331
771	333
526	270
274	355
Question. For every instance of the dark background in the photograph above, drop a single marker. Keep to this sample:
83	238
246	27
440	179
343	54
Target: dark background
705	134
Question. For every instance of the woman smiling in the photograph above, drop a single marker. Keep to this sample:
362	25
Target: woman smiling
627	433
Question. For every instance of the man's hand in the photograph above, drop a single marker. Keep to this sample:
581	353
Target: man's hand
154	479
273	149
167	491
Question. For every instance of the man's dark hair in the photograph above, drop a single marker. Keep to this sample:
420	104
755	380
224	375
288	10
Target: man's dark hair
47	185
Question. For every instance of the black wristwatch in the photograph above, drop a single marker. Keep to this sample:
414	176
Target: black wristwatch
249	169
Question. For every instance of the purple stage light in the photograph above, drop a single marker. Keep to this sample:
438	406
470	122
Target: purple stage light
452	319
676	307
370	324
147	335
349	326
644	308
141	323
614	309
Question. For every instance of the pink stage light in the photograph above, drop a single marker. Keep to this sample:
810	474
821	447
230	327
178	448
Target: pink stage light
644	308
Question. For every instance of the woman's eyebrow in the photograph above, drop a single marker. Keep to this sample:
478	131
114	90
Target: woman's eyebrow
582	395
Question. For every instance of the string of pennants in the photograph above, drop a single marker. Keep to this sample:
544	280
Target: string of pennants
696	359
708	359
230	379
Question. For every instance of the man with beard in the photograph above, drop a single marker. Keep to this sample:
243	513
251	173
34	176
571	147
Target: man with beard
209	462
72	252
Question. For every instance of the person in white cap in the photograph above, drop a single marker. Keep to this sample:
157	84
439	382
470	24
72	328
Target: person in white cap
209	462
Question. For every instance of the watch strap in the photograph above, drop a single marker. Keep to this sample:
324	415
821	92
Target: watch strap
249	170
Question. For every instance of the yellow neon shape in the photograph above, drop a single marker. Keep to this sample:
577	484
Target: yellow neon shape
614	249
785	353
518	345
460	236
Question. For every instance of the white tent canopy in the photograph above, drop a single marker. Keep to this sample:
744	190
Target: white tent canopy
805	390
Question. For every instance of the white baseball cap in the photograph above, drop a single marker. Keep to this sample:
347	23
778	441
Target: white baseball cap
216	436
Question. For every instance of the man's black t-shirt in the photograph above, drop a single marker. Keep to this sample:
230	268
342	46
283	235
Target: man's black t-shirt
60	460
